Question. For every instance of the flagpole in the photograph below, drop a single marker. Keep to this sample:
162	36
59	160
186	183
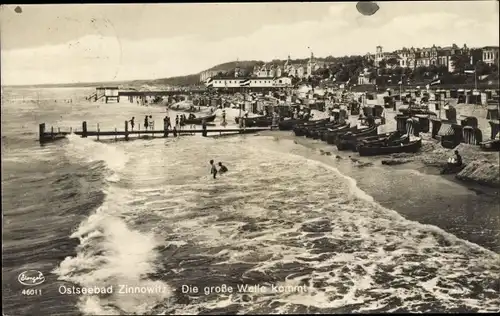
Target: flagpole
401	90
475	79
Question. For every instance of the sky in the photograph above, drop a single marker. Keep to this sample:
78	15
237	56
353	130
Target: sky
68	43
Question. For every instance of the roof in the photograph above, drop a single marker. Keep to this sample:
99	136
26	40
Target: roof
491	47
446	129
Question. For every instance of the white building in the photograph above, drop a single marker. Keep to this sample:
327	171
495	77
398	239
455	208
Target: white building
258	83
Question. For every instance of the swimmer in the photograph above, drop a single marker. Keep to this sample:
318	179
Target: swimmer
213	170
222	168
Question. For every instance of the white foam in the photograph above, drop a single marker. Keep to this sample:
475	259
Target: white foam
110	252
90	151
279	195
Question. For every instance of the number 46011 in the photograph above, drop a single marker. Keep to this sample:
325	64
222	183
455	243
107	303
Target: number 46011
31	292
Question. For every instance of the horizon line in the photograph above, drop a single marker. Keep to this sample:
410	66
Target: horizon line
92	83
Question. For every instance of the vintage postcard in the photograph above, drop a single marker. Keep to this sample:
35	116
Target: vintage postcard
250	158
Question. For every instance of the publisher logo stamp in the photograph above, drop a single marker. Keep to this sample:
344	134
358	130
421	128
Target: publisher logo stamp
31	277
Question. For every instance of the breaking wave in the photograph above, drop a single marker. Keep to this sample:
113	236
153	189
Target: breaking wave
273	220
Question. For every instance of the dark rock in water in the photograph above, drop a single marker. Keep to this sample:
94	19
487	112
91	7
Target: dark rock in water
338	157
367	7
328	153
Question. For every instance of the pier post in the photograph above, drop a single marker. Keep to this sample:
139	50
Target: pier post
41	132
84	129
58	130
71	130
116	135
52	132
98	130
126	130
139	130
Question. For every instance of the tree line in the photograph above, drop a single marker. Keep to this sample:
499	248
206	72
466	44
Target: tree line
348	69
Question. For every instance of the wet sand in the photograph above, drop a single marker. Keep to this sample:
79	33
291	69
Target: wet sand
416	191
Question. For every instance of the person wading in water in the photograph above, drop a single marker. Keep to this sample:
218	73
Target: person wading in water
213	169
222	168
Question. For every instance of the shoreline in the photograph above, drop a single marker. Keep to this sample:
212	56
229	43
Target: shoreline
412	162
466	210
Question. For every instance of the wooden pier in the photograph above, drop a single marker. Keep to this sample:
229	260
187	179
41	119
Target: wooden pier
53	135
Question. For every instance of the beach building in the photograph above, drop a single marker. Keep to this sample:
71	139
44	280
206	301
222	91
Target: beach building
260	83
490	55
298	70
434	55
106	94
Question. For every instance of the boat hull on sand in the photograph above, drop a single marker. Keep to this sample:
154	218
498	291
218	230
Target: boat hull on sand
301	129
349	140
331	135
491	145
411	147
199	120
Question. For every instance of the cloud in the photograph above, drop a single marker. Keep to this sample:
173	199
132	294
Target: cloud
341	31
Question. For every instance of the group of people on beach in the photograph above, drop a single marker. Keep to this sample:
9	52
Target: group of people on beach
180	121
213	170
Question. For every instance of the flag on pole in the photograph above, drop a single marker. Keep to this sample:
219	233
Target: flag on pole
435	82
209	82
245	83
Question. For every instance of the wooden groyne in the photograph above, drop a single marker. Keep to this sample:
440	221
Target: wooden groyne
54	135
